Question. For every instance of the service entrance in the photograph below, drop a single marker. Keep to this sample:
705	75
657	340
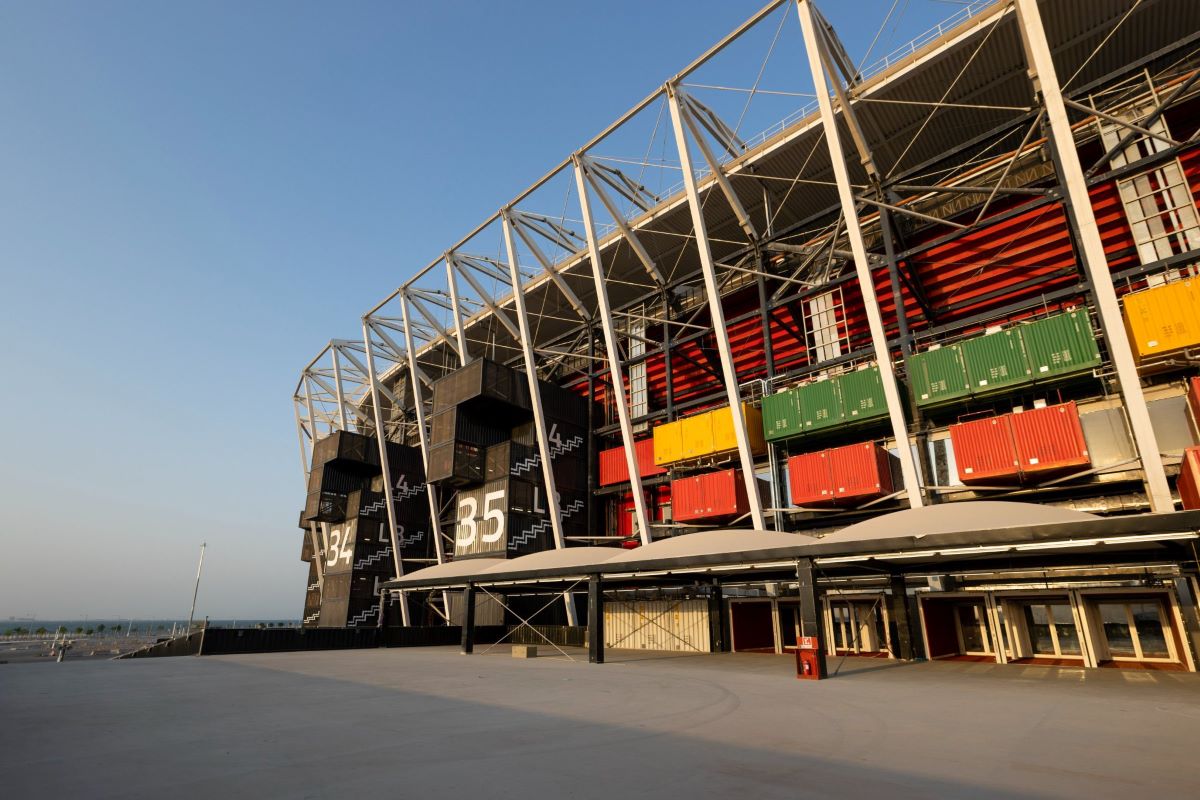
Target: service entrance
1132	630
857	626
971	625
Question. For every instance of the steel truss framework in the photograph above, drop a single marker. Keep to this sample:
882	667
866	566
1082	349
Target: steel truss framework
986	108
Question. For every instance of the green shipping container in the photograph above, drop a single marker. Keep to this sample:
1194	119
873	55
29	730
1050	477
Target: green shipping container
995	362
781	416
938	376
820	405
862	395
1064	344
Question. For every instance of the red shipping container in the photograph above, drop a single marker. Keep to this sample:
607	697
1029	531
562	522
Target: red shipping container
1049	439
984	450
713	495
1194	401
613	468
657	499
1189	479
860	472
810	479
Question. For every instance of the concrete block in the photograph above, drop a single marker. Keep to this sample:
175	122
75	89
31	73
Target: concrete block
524	651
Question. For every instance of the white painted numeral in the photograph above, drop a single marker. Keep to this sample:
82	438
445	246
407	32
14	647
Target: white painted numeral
496	512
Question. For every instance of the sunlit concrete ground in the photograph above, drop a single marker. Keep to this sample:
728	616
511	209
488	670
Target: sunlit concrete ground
431	723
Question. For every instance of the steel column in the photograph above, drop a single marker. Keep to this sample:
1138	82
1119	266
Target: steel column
595	620
615	371
901	625
459	333
1045	82
716	312
468	620
337	385
422	434
811	623
535	399
387	472
862	265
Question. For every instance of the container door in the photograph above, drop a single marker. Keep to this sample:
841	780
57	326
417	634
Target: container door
996	362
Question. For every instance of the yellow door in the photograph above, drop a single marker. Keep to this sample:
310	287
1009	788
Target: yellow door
697	435
668	444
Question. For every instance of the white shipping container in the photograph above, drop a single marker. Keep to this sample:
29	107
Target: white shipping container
681	625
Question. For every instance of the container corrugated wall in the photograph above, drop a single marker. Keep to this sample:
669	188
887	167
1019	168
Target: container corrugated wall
614	469
820	405
706	434
984	450
810	480
860	472
697	434
938	376
1194	401
1061	345
681	625
1189	479
1163	319
781	416
1049	439
862	395
995	362
668	443
712	495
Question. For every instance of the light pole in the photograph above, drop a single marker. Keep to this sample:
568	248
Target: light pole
196	591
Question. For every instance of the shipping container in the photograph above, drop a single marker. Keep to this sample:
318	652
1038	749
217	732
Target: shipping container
820	405
984	451
860	472
938	376
995	362
462	424
709	496
614	469
485	383
1193	396
668	443
1049	439
724	439
781	416
1189	479
862	395
697	434
352	452
810	479
1163	319
1061	345
457	463
657	625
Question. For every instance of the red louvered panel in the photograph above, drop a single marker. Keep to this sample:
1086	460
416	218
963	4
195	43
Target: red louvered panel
984	450
810	479
860	472
1049	439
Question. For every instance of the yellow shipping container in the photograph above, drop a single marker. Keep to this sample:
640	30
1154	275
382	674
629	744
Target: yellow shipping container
722	425
668	443
698	435
1163	319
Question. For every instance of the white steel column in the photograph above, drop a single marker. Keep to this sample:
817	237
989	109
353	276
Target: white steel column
459	333
615	372
535	399
387	471
305	458
716	312
337	385
430	489
883	354
1045	80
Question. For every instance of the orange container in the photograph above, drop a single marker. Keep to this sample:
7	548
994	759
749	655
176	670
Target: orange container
1189	479
984	450
710	496
613	468
860	472
810	479
1050	439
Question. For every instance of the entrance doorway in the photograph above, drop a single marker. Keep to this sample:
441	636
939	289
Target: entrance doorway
1133	631
857	626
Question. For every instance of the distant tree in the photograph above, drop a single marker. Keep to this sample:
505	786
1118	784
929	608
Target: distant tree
41	631
61	629
79	629
90	631
100	628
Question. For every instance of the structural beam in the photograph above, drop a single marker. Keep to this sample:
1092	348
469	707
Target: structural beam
460	333
337	383
716	312
373	382
553	507
883	356
595	620
1095	263
615	370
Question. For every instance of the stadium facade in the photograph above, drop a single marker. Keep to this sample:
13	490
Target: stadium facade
911	374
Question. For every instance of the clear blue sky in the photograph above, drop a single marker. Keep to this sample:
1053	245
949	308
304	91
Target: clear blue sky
195	197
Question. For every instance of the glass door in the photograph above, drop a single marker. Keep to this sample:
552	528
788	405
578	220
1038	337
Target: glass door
1136	630
971	621
1052	631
